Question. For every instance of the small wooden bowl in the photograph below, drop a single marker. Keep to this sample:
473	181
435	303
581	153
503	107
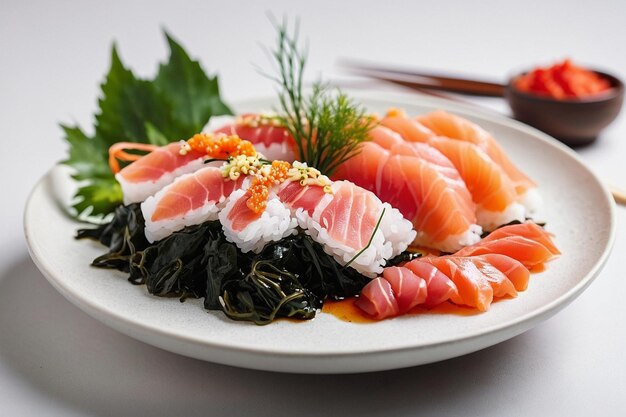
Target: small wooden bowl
575	122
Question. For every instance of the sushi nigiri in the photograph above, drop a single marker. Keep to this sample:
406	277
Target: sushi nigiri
191	199
345	222
251	230
266	133
161	167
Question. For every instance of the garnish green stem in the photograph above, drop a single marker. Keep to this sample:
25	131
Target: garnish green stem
370	241
326	125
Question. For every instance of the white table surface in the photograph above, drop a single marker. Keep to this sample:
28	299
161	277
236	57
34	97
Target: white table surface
56	360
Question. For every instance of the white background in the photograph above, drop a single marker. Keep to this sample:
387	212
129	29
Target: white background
55	360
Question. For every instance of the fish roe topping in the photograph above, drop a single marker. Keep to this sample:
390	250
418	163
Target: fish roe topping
261	119
266	177
218	146
306	175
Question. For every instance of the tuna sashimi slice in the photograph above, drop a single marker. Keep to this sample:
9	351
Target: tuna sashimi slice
377	299
409	289
266	134
192	191
155	170
440	288
191	199
296	196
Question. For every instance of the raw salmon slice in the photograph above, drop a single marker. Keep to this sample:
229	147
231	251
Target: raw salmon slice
490	187
528	230
442	217
515	271
455	127
529	252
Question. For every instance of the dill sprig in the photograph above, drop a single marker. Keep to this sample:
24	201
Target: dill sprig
327	125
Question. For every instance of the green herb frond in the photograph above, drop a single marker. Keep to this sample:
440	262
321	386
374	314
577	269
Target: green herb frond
326	124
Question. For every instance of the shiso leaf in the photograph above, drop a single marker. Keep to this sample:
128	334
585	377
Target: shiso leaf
173	106
194	96
154	135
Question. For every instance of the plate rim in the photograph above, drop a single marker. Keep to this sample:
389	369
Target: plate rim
142	331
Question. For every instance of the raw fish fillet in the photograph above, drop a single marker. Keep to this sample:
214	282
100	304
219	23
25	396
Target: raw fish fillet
345	220
529	252
490	187
271	140
455	127
191	199
431	196
528	230
427	282
439	287
476	280
378	300
155	170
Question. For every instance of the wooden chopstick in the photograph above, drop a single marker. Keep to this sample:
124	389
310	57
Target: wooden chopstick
423	80
618	194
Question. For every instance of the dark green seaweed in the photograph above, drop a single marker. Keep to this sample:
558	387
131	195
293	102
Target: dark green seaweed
185	262
289	278
268	292
318	272
124	235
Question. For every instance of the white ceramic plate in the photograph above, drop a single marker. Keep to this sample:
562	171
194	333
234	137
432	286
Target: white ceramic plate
578	210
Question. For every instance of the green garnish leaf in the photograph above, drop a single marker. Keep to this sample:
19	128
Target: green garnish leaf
327	125
154	135
194	96
174	105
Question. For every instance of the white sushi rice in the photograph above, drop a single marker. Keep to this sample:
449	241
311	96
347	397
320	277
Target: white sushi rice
452	243
274	224
162	228
533	203
136	192
490	220
397	230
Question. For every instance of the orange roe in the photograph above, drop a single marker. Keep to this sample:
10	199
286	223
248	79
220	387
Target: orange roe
221	146
561	81
260	188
